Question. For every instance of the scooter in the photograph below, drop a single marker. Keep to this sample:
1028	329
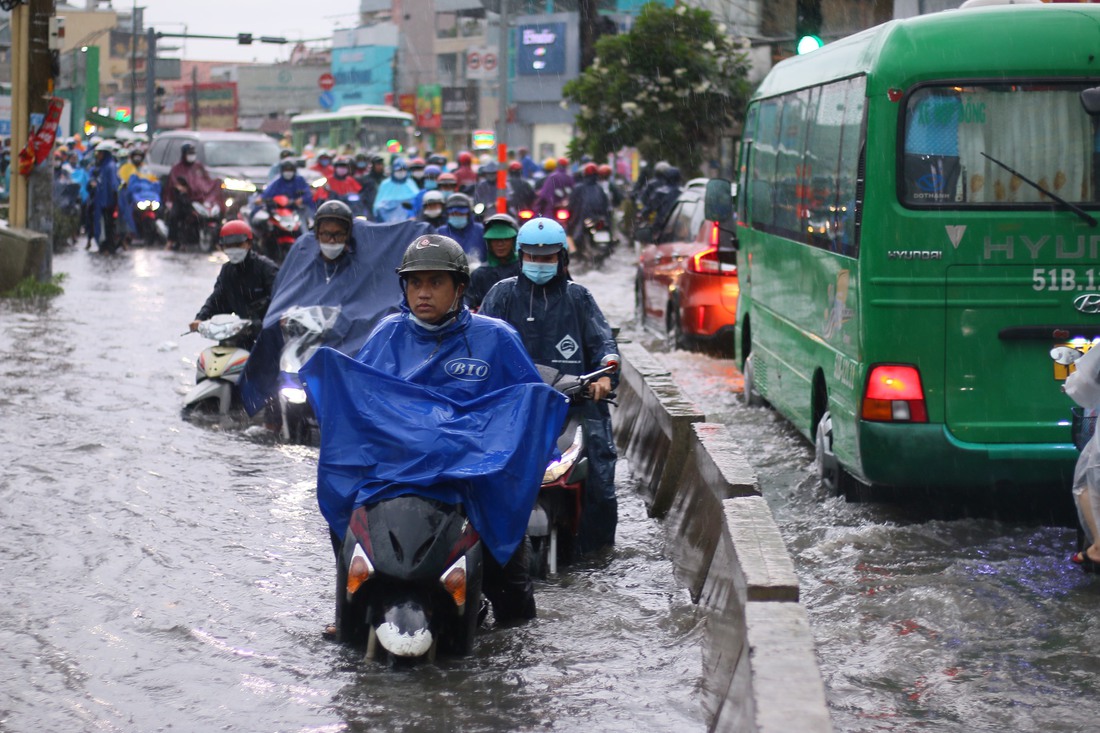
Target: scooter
556	517
218	368
595	244
145	195
304	330
280	224
409	578
202	219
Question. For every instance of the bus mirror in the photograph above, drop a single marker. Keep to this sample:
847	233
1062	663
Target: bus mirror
1090	100
718	202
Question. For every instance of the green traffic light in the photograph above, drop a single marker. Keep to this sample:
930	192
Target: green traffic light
807	44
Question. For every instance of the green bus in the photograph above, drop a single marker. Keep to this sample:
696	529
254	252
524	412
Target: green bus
916	232
372	127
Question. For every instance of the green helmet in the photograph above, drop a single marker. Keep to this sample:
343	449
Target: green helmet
435	252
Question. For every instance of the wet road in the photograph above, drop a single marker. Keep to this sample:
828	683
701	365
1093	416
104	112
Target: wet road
927	614
162	575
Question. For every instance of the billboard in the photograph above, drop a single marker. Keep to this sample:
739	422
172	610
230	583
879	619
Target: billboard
459	110
212	106
364	74
540	49
429	106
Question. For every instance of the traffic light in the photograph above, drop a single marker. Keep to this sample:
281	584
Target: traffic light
244	39
807	31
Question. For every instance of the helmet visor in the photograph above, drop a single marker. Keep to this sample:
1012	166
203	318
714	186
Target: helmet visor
231	240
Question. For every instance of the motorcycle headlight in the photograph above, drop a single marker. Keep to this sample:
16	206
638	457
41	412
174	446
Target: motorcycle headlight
294	395
319	182
228	203
236	184
142	205
154	205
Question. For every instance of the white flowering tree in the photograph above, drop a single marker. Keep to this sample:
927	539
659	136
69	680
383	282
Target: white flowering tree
668	87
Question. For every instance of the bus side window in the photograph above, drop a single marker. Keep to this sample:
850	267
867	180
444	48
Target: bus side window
790	165
761	206
848	192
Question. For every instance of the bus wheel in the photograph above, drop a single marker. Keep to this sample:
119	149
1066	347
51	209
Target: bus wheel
749	395
828	467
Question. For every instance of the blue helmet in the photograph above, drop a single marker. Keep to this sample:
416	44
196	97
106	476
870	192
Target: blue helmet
399	165
541	236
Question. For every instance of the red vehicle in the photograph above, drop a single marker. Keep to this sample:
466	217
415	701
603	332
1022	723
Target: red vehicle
682	289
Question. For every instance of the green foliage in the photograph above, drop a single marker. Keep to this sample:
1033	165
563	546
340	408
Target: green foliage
668	87
30	288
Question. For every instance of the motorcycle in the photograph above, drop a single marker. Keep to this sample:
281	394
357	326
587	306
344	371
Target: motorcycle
148	222
304	330
201	219
595	240
218	368
411	571
556	517
280	225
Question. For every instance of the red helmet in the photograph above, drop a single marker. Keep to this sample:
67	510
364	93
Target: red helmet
563	162
589	169
514	166
235	232
416	163
446	178
604	171
465	158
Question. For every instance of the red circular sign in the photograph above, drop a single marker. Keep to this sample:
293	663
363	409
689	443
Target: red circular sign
473	60
489	61
327	81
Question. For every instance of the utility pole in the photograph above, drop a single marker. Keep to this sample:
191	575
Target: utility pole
151	112
502	73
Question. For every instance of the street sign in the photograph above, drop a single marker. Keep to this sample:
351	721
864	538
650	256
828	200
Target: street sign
326	81
326	100
489	61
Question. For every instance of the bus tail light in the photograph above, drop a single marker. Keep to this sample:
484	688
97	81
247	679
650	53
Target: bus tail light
894	394
707	263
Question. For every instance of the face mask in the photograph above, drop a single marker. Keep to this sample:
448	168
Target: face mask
540	273
236	255
360	166
288	175
418	175
430	184
191	158
456	222
332	251
433	213
340	171
324	162
399	175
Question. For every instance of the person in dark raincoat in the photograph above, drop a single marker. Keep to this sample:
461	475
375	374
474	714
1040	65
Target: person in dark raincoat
562	327
105	199
500	239
244	284
462	227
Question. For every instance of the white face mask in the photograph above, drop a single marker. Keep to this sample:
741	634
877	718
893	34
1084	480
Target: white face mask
288	175
332	251
191	158
236	255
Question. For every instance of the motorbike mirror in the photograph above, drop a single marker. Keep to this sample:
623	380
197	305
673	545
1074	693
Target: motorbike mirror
1090	100
612	361
479	208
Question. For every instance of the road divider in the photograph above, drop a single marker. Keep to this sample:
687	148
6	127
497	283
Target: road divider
760	673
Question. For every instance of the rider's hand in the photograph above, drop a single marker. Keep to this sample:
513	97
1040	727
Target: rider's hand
600	389
195	325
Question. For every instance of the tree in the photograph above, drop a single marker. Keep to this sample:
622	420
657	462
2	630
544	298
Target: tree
668	87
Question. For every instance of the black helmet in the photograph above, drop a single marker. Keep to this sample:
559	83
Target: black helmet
333	210
435	252
489	169
459	201
377	158
288	164
187	148
286	153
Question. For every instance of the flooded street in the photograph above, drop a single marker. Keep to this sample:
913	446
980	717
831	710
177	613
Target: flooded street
163	575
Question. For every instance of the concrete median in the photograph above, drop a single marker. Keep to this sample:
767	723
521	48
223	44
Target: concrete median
759	669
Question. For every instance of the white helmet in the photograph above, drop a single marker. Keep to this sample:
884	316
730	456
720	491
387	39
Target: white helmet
106	146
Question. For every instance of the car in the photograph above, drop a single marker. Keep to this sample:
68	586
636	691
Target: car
242	160
682	288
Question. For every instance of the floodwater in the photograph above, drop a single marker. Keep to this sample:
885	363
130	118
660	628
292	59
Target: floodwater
927	614
164	575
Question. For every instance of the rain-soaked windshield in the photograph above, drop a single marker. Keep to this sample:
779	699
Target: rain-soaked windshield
241	152
954	134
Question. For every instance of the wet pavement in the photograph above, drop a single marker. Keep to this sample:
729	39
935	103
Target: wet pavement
165	575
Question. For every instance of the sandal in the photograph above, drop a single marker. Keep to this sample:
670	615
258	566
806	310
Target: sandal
1082	560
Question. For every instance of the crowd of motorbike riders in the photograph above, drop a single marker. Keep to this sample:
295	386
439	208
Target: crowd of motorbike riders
468	263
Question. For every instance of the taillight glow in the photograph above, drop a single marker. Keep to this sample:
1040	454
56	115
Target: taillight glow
714	234
526	214
706	263
561	214
454	582
360	570
894	394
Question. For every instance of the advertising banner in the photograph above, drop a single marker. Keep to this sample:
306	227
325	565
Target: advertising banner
459	107
212	106
364	74
429	106
540	49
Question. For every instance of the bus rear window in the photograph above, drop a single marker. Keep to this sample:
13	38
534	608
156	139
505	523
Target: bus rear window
958	140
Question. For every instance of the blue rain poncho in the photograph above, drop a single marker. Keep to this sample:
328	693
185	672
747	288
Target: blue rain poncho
361	282
459	415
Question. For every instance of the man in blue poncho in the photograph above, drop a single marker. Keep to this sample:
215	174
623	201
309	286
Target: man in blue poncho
455	362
